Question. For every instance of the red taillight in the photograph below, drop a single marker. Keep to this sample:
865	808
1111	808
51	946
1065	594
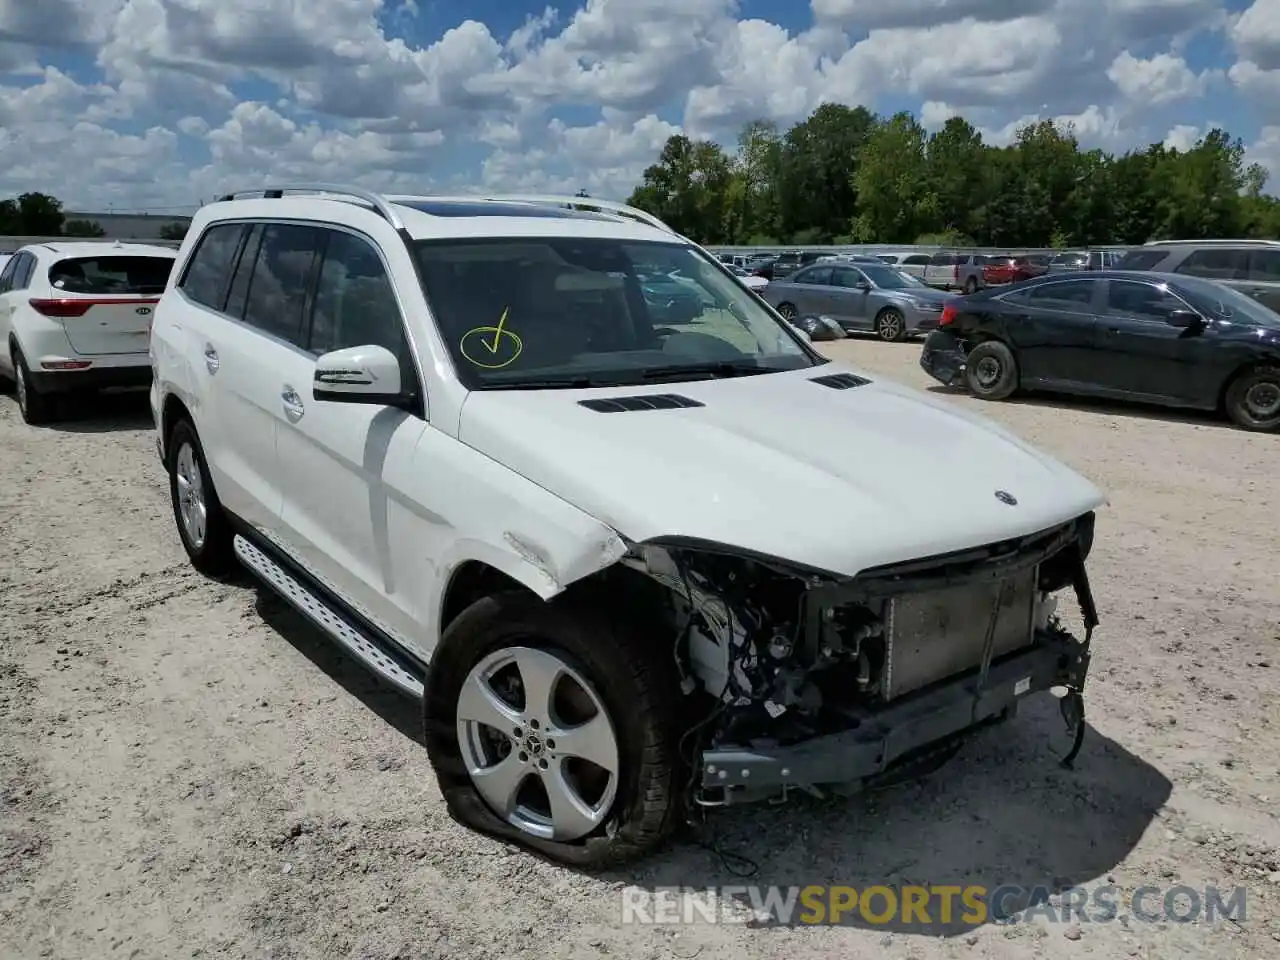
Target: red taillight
70	307
948	315
61	309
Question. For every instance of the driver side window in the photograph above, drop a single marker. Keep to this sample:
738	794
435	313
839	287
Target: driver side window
355	303
847	277
1141	301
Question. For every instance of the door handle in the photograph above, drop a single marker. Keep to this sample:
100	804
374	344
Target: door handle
293	408
211	360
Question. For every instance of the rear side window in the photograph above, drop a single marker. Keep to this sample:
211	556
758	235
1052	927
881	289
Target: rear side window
1064	295
942	260
1264	266
1141	259
817	275
282	273
917	258
207	275
1216	264
112	274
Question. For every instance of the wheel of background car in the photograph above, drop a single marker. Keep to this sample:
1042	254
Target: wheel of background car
788	311
555	726
1253	399
991	371
971	285
36	408
891	326
203	526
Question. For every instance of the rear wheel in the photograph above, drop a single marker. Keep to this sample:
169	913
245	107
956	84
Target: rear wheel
36	408
554	726
203	526
991	371
971	285
891	326
1253	399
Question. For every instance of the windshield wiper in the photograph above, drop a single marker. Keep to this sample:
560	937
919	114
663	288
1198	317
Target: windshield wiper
724	368
548	383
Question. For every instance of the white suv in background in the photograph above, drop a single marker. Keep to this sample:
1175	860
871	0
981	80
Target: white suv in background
634	552
75	316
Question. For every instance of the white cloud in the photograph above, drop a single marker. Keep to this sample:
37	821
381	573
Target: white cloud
206	95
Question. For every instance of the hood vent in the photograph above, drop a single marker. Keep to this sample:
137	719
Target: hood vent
652	401
841	381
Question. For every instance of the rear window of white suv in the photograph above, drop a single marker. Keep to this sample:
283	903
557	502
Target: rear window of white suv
137	275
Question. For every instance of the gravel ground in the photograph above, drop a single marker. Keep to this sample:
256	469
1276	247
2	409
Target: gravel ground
188	770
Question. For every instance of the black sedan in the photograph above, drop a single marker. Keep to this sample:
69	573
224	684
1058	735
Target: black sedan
1167	339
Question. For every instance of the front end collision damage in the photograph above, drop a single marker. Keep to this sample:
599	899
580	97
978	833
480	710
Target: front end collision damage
824	683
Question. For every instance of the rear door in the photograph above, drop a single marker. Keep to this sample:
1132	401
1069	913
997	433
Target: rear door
1051	325
104	302
810	290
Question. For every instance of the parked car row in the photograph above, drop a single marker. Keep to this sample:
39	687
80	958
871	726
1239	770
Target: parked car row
460	436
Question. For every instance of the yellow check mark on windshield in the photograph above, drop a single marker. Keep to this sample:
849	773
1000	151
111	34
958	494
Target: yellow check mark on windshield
497	332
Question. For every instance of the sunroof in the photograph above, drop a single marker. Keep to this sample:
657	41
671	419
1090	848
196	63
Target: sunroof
474	208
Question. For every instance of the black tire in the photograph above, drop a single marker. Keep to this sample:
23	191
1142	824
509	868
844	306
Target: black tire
788	311
37	408
1253	399
891	325
213	555
636	685
971	285
991	371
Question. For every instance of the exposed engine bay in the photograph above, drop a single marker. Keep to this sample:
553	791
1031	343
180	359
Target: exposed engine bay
818	682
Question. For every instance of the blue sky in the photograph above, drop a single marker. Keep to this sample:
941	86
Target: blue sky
157	104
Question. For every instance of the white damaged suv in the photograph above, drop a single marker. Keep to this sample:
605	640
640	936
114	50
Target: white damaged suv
635	544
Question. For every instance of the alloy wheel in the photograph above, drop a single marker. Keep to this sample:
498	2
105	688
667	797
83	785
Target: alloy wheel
538	743
192	507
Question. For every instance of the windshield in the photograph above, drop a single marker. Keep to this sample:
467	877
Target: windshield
576	312
887	278
1227	303
111	274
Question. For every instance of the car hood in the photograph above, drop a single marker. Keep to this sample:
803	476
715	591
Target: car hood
779	465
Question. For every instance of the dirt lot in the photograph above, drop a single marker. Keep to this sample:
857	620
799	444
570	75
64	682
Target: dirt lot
187	770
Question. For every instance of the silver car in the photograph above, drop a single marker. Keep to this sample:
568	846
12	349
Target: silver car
892	304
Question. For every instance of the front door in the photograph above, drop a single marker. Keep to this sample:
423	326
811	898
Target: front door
850	293
1140	353
342	517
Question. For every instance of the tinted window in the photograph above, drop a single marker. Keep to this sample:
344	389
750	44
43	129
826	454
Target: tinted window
1070	259
1216	264
112	274
238	295
917	258
355	303
942	259
1065	295
6	275
22	273
818	275
1264	265
1141	259
844	277
282	273
205	280
1145	301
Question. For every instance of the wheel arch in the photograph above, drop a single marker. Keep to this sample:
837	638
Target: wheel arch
172	410
1239	371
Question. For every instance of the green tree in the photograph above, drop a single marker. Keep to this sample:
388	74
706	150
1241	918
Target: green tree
688	188
178	231
896	202
31	215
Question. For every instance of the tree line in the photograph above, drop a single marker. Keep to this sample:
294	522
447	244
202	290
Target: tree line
847	175
40	215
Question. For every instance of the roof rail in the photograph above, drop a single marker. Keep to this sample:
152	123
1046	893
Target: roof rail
381	205
1242	242
591	203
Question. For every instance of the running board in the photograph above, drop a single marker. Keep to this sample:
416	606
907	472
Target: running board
333	623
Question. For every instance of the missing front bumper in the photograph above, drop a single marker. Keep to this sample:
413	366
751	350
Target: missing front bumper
901	728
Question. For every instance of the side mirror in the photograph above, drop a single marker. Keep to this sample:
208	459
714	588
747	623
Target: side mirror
863	285
1182	319
365	374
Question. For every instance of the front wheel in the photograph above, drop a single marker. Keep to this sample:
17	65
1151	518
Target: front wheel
788	311
1253	399
991	371
891	326
554	726
971	285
